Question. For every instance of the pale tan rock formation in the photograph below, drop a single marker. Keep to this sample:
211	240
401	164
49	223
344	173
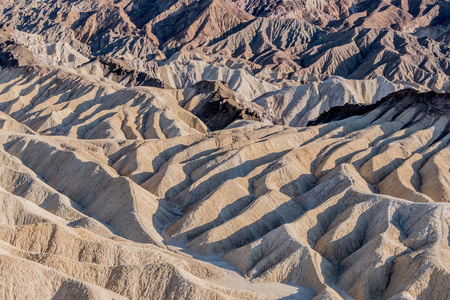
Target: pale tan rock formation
59	101
357	207
297	105
224	149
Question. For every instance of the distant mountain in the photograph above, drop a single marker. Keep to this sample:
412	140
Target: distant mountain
404	42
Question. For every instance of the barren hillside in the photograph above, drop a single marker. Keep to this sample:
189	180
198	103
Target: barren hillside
224	149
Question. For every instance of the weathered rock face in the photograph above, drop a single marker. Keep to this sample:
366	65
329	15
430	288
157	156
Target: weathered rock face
120	71
216	105
13	54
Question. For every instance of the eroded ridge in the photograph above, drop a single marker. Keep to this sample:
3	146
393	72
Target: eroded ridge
355	207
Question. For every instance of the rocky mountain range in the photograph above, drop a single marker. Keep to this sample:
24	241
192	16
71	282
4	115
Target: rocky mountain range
224	149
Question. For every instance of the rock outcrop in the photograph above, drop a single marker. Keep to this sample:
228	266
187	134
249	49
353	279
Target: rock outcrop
217	106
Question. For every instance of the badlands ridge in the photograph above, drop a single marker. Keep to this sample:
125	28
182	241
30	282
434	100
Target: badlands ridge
111	192
258	150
